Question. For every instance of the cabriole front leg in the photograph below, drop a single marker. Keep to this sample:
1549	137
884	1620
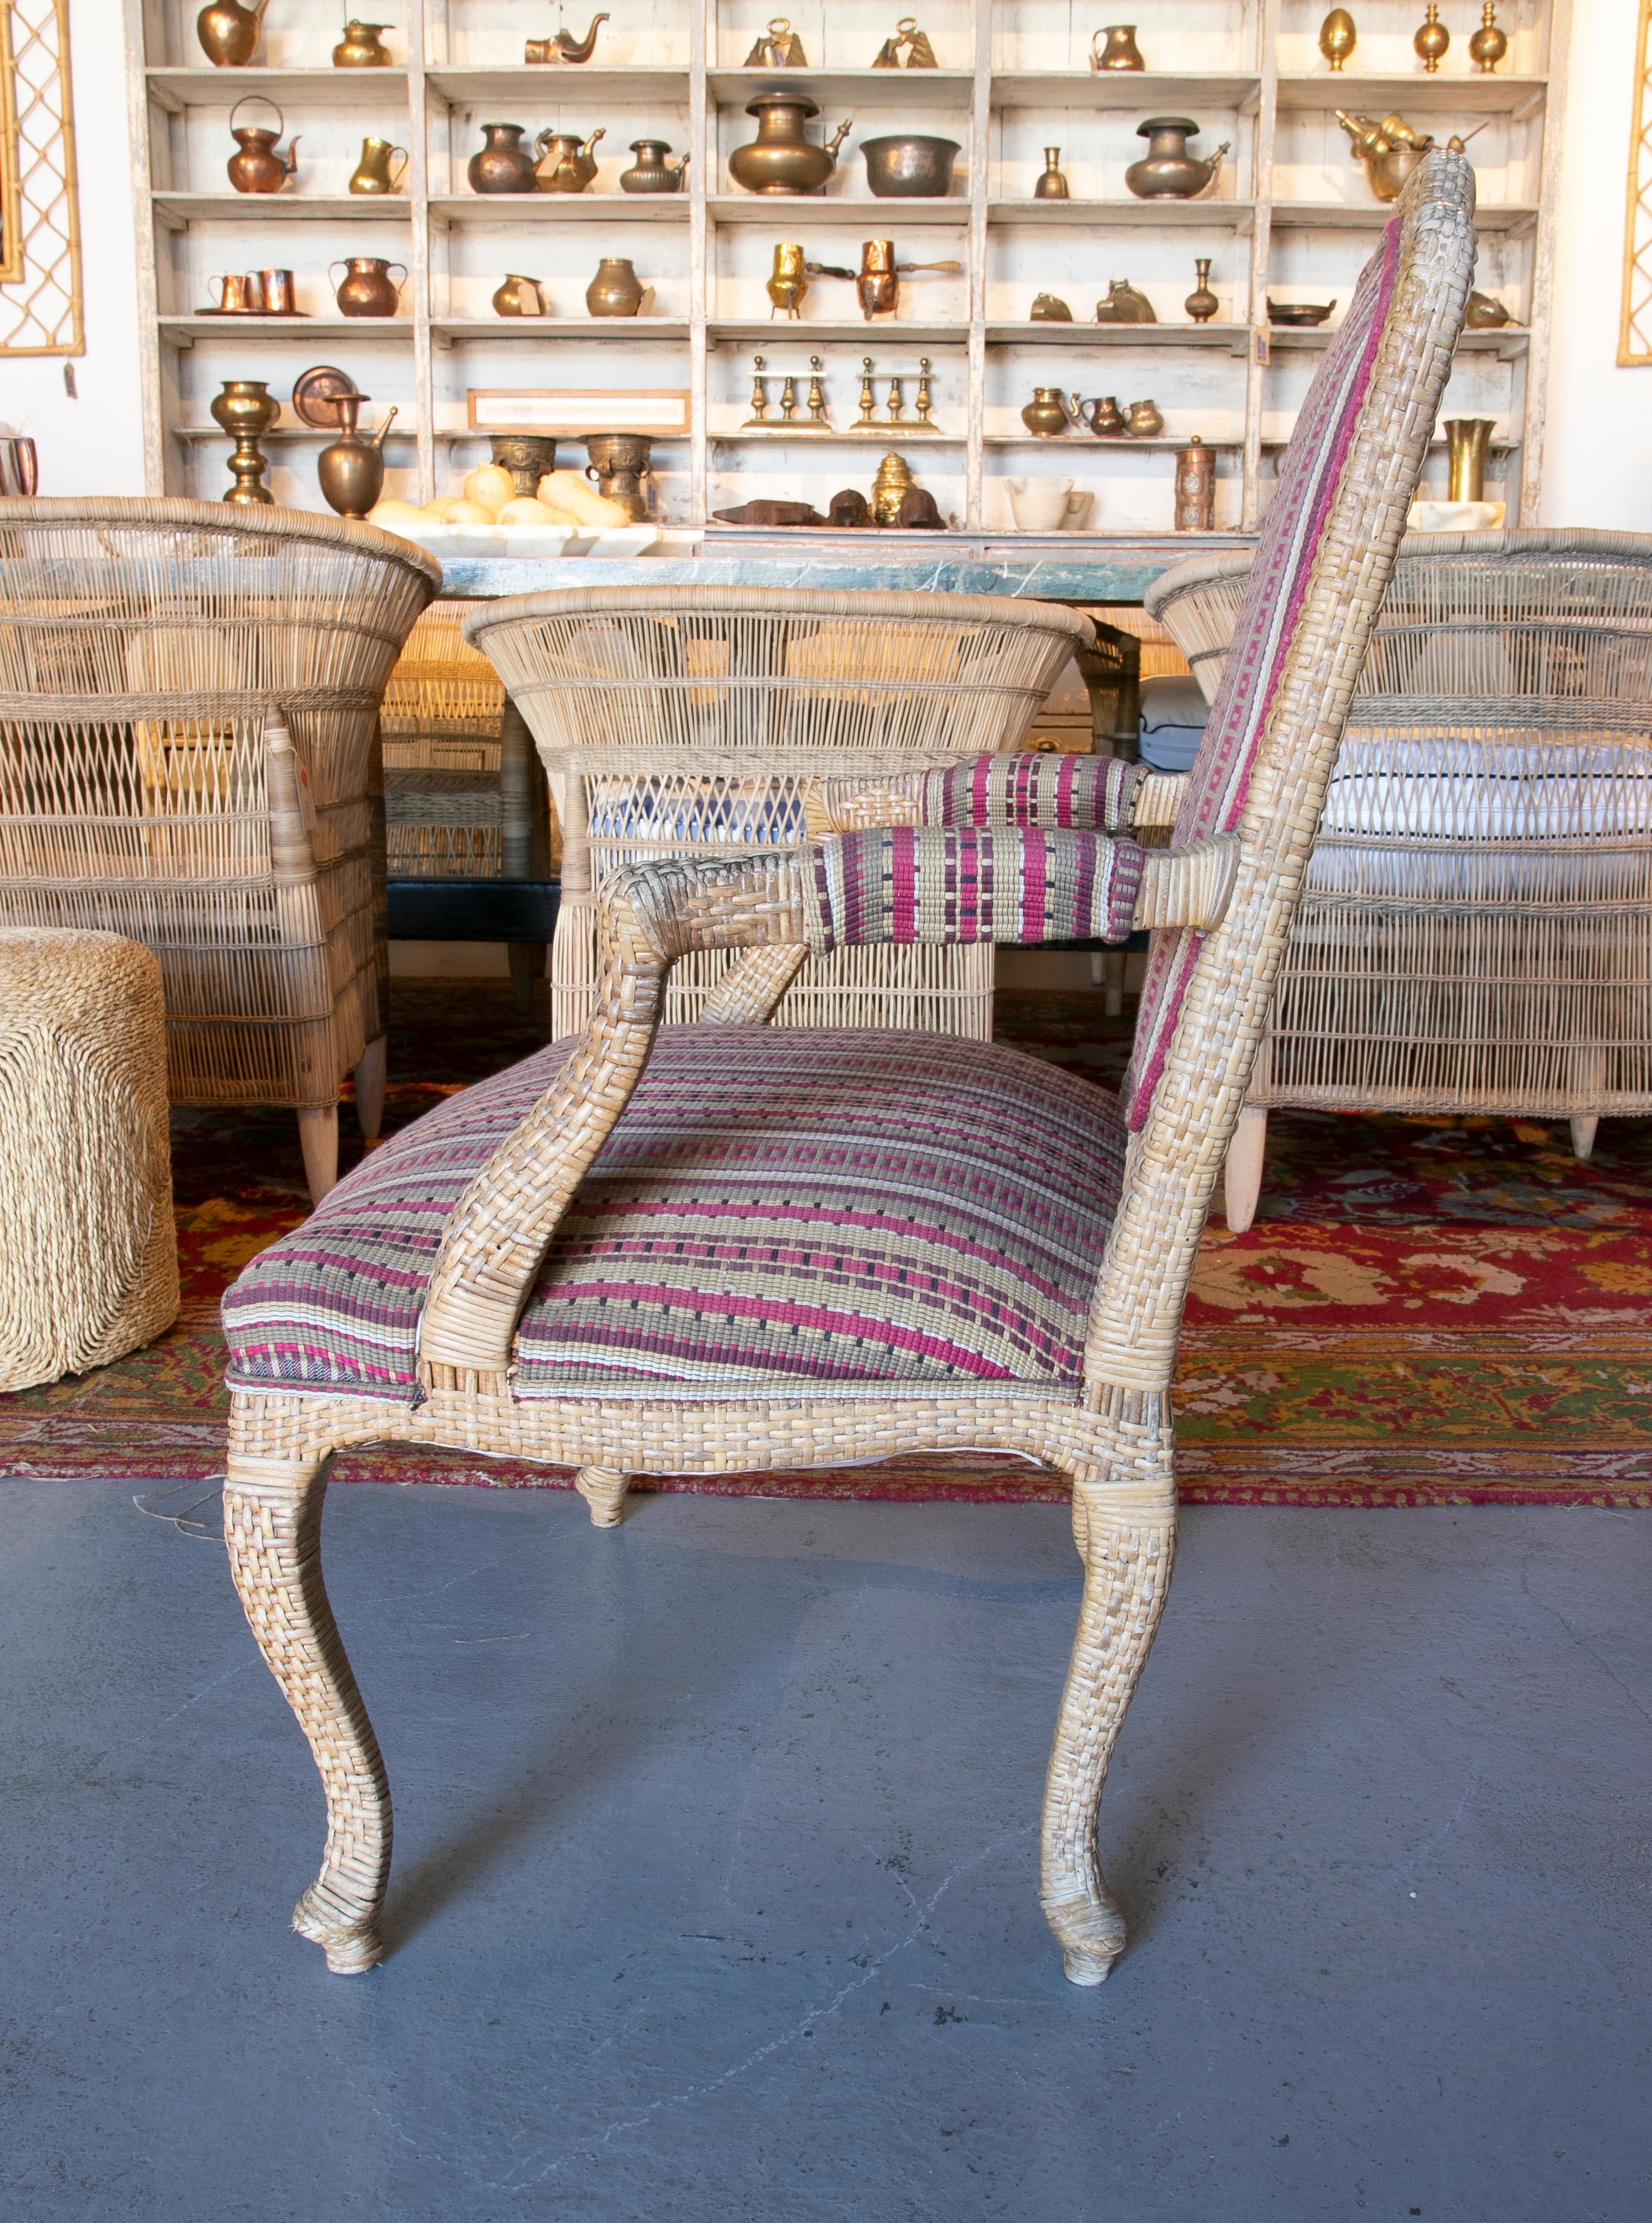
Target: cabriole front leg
1128	1537
272	1523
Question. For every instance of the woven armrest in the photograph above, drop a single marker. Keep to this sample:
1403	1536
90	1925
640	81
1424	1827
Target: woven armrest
1159	799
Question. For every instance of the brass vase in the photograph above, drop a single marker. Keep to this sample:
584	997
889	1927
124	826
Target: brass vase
245	408
1468	439
616	291
1201	303
1052	185
351	472
1196	487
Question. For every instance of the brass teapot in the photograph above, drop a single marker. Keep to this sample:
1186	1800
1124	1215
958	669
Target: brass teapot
563	47
566	163
650	172
1049	412
259	165
360	48
229	33
1168	171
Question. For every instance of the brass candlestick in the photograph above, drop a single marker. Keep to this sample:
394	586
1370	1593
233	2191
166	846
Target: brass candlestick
924	423
867	420
246	409
759	398
896	402
787	398
817	397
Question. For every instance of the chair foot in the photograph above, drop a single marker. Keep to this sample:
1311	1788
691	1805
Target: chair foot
370	1088
1582	1137
318	1139
272	1525
1128	1557
1107	972
1241	1175
603	1489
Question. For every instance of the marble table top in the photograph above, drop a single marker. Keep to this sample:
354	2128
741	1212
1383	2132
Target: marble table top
1057	567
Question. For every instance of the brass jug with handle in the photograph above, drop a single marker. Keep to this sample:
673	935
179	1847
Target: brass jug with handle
373	173
369	290
566	162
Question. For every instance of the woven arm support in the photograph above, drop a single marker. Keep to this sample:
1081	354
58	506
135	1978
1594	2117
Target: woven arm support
1019	788
1159	799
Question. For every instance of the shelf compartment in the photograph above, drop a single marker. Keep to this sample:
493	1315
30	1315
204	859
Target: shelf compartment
874	336
180	209
878	436
1235	337
395	328
560	208
1507	344
1463	94
1372	215
780	213
1086	442
193	434
554	86
1166	215
860	88
1155	92
178	88
559	328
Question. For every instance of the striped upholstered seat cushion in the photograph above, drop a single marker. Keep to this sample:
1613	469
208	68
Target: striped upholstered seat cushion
775	1205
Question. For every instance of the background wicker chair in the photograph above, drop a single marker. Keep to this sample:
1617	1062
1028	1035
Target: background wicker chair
188	697
693	721
765	1247
1476	935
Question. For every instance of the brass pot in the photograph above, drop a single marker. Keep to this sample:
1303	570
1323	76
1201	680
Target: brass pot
360	47
1386	173
502	164
619	464
650	172
780	159
1052	185
566	162
258	165
1168	171
1124	305
1143	420
368	289
229	33
1104	416
1048	412
616	291
528	456
519	297
908	167
373	174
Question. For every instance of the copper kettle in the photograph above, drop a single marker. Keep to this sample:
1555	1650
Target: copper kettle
259	167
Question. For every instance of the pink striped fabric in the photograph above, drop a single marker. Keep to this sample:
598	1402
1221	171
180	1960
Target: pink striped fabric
933	884
1030	787
1310	472
774	1204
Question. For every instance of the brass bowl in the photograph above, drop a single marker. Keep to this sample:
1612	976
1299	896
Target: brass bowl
1298	314
1386	174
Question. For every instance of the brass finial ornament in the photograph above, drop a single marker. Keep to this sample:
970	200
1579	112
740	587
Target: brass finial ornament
1337	37
1490	43
1432	39
760	416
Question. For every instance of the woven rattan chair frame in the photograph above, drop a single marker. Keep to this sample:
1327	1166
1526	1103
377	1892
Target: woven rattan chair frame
148	648
1111	1433
1475	937
695	721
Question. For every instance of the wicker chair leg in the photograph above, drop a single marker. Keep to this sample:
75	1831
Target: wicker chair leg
1107	972
1583	1134
318	1139
1241	1174
272	1523
603	1489
370	1088
1127	1573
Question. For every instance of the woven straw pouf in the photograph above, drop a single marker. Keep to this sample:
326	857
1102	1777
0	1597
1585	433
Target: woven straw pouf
88	1251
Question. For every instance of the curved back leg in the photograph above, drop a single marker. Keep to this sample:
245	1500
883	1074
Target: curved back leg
272	1524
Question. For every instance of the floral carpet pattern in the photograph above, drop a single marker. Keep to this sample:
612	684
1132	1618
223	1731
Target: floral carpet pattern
1423	1312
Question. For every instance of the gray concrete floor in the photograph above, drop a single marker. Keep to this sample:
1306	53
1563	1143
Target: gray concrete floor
715	1894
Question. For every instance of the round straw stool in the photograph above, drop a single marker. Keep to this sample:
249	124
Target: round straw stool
88	1250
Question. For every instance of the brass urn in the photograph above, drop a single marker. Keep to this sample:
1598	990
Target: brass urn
245	408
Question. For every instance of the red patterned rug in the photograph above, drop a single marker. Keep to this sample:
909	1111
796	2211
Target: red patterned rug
1423	1314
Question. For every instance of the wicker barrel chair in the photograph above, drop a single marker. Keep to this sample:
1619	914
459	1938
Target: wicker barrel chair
715	1248
1476	935
694	720
188	697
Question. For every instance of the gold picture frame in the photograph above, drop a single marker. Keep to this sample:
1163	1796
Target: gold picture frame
40	296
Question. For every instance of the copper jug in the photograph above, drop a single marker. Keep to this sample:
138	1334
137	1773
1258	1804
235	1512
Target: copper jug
370	290
351	472
259	167
360	47
373	174
229	33
566	162
503	164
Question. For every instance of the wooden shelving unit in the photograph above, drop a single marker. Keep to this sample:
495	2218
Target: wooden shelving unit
1290	214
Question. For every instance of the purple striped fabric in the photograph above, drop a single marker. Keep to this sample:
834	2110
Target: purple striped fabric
774	1205
1095	795
1309	474
933	884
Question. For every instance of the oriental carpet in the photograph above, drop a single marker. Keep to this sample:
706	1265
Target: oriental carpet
1424	1312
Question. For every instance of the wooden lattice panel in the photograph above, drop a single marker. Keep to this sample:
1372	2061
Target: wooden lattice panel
40	252
1635	332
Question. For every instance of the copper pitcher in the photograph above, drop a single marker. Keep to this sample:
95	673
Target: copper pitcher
259	165
369	290
229	33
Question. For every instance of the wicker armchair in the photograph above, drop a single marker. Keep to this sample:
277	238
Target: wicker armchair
695	721
187	702
1476	933
730	1246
